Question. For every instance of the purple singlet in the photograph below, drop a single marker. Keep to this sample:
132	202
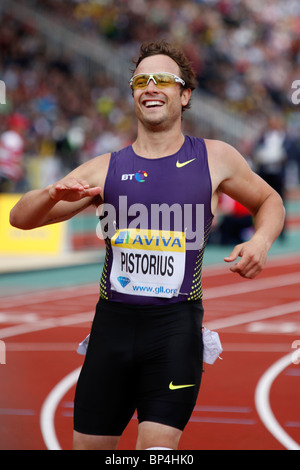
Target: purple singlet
156	220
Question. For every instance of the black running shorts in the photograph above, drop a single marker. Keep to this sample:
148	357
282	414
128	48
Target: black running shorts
145	358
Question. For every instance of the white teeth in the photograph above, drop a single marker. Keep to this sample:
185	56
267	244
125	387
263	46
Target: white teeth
153	103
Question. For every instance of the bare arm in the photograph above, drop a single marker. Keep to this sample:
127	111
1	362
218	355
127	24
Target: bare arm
62	200
233	176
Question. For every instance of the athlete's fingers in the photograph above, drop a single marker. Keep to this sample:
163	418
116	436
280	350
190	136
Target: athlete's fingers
252	259
246	267
72	189
234	254
71	183
93	191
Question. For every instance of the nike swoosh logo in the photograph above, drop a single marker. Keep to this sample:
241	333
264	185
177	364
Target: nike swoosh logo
177	387
180	165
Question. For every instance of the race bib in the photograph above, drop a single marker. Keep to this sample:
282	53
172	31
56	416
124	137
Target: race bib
148	262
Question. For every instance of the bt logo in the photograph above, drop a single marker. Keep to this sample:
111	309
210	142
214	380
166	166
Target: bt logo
140	176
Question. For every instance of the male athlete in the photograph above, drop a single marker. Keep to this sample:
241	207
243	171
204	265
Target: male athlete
145	349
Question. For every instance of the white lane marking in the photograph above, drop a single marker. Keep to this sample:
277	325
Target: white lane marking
49	408
46	324
42	346
48	295
251	286
12	317
262	402
270	312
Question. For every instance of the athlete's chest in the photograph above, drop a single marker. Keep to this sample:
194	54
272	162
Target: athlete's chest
180	178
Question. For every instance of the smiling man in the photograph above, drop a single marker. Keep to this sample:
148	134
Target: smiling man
146	349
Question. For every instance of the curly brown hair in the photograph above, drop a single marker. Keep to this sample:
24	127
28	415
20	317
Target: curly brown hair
175	53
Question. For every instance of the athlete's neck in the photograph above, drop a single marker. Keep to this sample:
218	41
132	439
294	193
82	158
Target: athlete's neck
158	144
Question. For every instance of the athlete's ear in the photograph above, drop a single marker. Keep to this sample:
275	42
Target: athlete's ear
185	96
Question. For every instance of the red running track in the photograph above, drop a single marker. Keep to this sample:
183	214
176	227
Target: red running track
248	400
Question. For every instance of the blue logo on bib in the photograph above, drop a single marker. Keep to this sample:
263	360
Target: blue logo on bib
123	281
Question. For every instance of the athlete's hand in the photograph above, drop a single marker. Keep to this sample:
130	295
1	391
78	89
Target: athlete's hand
253	256
72	189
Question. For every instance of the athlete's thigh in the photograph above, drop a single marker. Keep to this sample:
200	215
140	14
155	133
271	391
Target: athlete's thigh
171	369
104	399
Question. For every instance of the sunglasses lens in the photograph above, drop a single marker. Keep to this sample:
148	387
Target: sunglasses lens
162	80
140	81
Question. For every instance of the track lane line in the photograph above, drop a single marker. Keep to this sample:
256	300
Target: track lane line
46	324
47	416
262	402
253	285
255	315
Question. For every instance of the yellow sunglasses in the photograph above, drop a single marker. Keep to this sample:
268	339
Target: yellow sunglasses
160	79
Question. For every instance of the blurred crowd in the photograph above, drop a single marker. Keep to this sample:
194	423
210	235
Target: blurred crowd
245	52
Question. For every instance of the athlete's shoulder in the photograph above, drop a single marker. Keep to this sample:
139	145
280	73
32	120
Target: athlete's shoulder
93	170
224	160
102	159
218	148
98	160
122	152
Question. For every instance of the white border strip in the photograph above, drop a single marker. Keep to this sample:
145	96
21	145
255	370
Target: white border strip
263	407
49	408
